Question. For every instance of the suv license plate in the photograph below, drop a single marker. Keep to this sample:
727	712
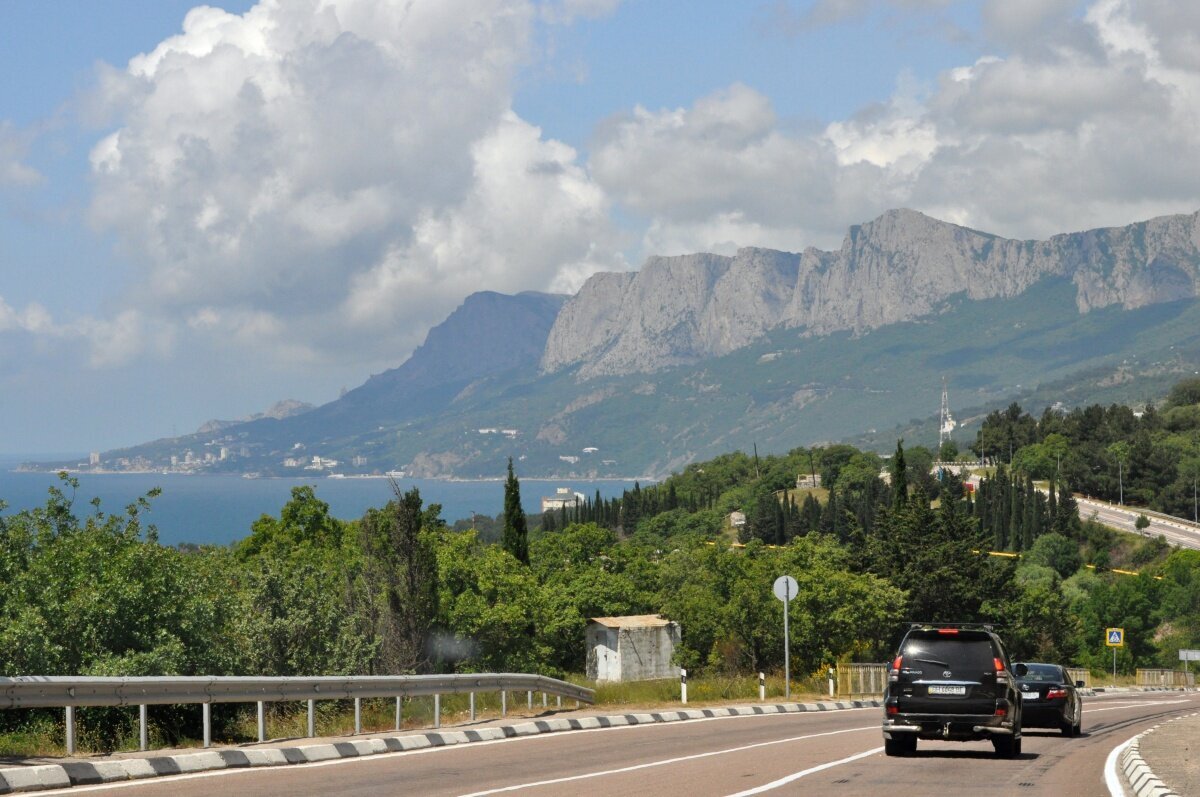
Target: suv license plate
947	690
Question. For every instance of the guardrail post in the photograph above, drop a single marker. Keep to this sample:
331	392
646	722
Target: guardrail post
143	729
503	703
312	718
262	722
544	699
529	700
70	730
207	710
357	716
437	711
472	707
762	688
682	685
399	715
558	701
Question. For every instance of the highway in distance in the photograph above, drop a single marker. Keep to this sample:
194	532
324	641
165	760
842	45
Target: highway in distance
837	752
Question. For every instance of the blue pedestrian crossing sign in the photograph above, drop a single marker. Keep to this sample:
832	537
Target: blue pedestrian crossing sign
1114	637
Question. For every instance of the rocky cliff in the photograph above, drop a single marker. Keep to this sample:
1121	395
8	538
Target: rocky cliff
899	267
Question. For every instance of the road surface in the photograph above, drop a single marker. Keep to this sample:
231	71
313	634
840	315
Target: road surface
1177	531
811	753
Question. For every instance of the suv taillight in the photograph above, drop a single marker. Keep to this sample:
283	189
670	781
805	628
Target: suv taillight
898	663
999	665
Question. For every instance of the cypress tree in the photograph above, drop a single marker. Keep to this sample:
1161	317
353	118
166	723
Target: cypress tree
899	476
516	536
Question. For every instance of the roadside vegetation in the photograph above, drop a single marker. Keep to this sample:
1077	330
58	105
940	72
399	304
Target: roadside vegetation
88	592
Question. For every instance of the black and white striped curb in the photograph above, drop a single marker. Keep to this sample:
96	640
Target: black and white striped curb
1139	776
85	773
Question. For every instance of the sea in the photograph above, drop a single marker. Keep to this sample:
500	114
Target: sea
207	509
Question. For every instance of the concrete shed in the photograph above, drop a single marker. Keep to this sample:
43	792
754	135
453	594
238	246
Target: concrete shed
634	648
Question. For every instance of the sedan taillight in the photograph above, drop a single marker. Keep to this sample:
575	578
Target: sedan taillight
1053	693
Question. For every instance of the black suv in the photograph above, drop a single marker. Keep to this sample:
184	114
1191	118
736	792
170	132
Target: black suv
951	682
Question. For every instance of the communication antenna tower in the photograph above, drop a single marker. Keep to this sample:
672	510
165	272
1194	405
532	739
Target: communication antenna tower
946	423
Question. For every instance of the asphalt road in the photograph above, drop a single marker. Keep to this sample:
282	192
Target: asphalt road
1181	533
828	753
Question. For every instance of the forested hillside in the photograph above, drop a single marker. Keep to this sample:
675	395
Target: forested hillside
83	591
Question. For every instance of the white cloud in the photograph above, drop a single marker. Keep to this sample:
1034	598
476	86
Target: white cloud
1089	124
347	169
14	146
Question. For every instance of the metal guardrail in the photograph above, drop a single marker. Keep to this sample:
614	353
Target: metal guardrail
861	679
1165	678
71	692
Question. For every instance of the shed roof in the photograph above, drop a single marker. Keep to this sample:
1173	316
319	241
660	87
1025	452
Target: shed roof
632	621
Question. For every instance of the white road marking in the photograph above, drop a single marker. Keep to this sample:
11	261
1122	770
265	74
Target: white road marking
1134	705
775	784
543	737
1112	778
665	762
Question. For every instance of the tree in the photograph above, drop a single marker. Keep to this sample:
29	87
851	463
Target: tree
516	535
948	452
1141	523
1184	393
1057	552
401	569
1120	452
899	476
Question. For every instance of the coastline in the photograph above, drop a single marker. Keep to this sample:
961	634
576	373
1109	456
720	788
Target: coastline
356	476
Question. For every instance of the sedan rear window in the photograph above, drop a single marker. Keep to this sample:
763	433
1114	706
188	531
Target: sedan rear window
1043	673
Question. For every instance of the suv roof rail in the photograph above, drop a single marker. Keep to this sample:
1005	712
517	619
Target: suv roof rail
984	626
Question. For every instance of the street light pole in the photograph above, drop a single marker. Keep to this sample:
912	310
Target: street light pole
1121	482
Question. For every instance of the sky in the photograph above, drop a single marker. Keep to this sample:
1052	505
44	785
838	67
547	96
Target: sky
206	209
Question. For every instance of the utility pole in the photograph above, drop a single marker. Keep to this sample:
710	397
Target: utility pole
1120	482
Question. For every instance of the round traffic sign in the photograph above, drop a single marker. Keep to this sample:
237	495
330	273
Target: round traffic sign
785	588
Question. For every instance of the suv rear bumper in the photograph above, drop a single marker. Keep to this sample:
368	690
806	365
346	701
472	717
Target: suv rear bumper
948	726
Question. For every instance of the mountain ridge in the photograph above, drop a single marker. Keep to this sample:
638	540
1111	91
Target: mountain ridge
897	267
703	353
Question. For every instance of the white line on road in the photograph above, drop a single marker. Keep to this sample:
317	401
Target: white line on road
667	761
775	784
543	737
1112	779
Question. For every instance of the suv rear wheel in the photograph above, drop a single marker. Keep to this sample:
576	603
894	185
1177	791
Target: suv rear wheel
902	745
1006	746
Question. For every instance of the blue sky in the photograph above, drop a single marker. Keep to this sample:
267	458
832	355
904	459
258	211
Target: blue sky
275	200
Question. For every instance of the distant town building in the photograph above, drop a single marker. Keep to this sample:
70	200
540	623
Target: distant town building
224	453
808	481
510	433
590	450
570	459
737	519
358	461
632	648
94	458
563	497
489	430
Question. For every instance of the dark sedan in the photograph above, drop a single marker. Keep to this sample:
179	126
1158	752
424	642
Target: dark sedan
1049	698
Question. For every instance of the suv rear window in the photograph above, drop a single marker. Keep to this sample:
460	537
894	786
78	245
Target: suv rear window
956	653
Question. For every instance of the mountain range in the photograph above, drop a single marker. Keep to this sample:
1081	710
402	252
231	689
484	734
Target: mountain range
641	372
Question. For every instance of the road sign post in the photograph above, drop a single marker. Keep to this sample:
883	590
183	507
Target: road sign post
785	588
1114	638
